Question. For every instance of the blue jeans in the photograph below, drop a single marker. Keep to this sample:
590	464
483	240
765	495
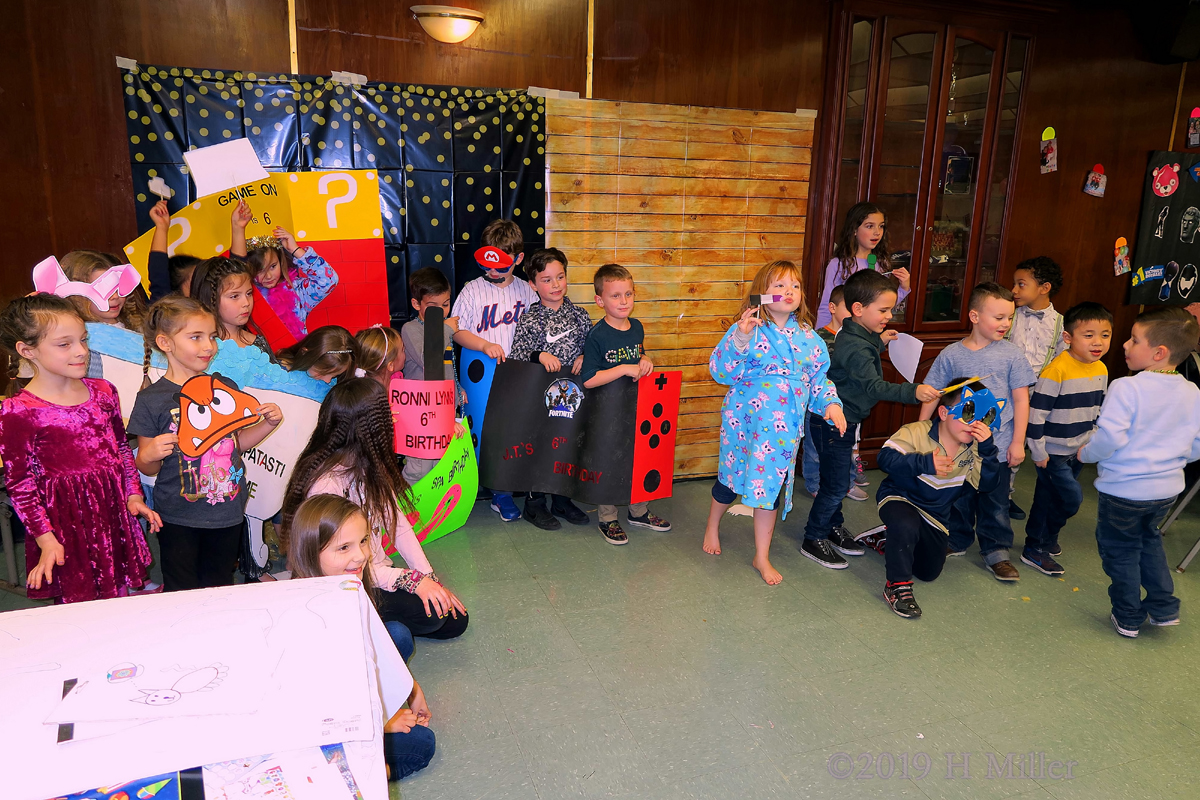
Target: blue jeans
983	514
406	753
810	467
401	637
1056	499
1132	553
836	454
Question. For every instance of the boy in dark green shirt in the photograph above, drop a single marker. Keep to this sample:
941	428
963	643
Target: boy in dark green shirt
857	371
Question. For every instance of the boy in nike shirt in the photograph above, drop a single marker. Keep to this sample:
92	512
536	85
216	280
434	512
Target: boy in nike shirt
552	333
489	307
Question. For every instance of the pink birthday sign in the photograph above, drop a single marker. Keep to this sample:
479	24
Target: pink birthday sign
423	412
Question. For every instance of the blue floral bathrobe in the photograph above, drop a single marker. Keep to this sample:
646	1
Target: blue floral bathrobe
780	376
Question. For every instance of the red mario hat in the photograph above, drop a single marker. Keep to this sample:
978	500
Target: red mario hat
494	258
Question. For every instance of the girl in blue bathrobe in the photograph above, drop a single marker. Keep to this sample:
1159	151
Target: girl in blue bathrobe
776	365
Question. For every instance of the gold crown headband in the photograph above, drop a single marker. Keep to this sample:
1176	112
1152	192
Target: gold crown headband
256	242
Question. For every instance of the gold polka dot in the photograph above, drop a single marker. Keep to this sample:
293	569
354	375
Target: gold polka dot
174	112
533	214
541	230
227	134
395	259
135	139
446	135
470	207
141	197
317	161
470	148
204	131
512	184
487	167
445	204
152	137
138	157
145	120
204	112
133	115
168	135
488	207
441	159
256	130
228	115
438	259
520	138
541	151
516	212
537	185
152	173
387	178
320	145
425	199
433	222
393	231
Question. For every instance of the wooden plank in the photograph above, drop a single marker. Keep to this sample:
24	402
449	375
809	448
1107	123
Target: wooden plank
562	125
557	106
696	467
650	286
577	163
787	172
662	257
700	436
745	117
718	169
582	257
578	202
774	136
725	151
774	241
643	184
709	256
781	224
697	405
696	449
561	181
664	167
721	134
712	187
693	421
691	324
670	341
650	204
763	154
768	206
680	358
663	131
559	221
649	222
652	148
778	190
700	239
676	308
654	112
711	222
583	144
582	240
708	388
715	205
649	240
713	272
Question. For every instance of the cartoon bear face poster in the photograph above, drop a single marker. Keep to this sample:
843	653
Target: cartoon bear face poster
1166	253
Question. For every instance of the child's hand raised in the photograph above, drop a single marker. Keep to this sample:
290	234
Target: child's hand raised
242	215
270	413
160	216
834	414
137	506
52	555
551	363
496	351
927	394
749	320
902	275
942	464
285	238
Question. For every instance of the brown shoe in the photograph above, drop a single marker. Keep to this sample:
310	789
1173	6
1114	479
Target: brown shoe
1004	571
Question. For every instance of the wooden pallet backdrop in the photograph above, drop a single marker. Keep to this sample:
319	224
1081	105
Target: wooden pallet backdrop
693	200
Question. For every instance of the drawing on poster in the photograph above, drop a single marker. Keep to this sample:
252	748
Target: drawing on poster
204	679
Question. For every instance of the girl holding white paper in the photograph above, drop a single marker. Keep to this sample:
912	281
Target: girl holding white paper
329	536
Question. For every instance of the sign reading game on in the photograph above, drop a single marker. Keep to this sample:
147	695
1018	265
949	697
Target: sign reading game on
423	412
614	444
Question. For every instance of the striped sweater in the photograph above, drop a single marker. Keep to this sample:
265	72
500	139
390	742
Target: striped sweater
1064	406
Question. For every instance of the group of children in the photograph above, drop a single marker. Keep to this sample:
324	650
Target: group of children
1032	380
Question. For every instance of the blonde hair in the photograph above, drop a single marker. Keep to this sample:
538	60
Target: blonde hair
79	266
766	276
378	347
167	317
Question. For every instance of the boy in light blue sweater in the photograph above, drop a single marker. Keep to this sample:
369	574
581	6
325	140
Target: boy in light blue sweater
1149	427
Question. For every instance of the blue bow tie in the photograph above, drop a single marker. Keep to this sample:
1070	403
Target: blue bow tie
1031	313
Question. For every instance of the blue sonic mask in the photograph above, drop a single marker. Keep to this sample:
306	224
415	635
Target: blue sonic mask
981	405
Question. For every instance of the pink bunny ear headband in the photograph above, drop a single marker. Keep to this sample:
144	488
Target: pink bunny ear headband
48	276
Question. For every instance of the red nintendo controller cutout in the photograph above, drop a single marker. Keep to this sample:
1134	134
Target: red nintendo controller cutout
654	439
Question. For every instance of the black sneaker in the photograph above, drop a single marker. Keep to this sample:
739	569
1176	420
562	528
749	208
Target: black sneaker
569	511
1055	550
844	543
875	538
1015	511
535	511
901	599
822	552
1042	562
613	533
650	521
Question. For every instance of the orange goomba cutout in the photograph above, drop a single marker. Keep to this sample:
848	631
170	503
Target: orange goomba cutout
210	408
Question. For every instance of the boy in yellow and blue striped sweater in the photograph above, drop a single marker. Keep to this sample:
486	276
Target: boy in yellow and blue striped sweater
1062	415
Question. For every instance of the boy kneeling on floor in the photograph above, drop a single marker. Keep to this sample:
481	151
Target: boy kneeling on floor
928	464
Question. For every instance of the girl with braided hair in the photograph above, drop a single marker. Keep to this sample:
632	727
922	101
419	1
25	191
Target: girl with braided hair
71	475
224	286
202	500
351	454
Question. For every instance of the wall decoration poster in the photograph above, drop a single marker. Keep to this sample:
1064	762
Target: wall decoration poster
1164	267
1095	182
1193	129
1121	256
1049	151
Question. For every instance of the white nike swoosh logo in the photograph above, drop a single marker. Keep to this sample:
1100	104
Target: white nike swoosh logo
553	339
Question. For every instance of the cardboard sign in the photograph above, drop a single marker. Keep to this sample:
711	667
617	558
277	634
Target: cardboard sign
444	497
423	412
612	444
475	374
211	408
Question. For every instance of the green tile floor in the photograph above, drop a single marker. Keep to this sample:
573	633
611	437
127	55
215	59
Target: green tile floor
657	671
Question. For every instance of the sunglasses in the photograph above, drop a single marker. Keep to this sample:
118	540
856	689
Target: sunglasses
981	406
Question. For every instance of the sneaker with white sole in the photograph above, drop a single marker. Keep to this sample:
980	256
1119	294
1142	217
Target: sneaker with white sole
875	538
1042	562
503	505
860	478
650	521
822	552
1164	623
845	543
856	493
613	533
1128	633
900	598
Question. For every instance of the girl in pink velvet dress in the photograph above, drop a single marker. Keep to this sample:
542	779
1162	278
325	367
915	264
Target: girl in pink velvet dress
70	471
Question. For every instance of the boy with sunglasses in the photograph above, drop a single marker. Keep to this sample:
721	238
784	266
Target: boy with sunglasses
929	465
1006	372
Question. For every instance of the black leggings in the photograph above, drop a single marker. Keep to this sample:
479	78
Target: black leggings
914	547
198	558
401	606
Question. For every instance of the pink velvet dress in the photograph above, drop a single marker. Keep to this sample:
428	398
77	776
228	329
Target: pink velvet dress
70	471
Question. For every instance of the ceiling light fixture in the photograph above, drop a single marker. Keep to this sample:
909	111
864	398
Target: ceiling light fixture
448	24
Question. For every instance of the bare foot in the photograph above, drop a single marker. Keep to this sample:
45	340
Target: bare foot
712	543
769	573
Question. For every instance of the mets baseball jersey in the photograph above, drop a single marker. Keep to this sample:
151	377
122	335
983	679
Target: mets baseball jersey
491	312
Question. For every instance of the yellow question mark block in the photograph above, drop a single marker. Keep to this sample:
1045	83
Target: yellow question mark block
335	206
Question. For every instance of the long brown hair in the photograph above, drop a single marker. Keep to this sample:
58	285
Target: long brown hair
79	266
208	281
330	349
763	280
27	319
354	433
846	249
314	524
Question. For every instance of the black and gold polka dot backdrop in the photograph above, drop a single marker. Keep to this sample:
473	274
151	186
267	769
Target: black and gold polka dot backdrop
450	159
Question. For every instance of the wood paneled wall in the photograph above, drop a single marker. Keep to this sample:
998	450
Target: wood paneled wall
694	201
